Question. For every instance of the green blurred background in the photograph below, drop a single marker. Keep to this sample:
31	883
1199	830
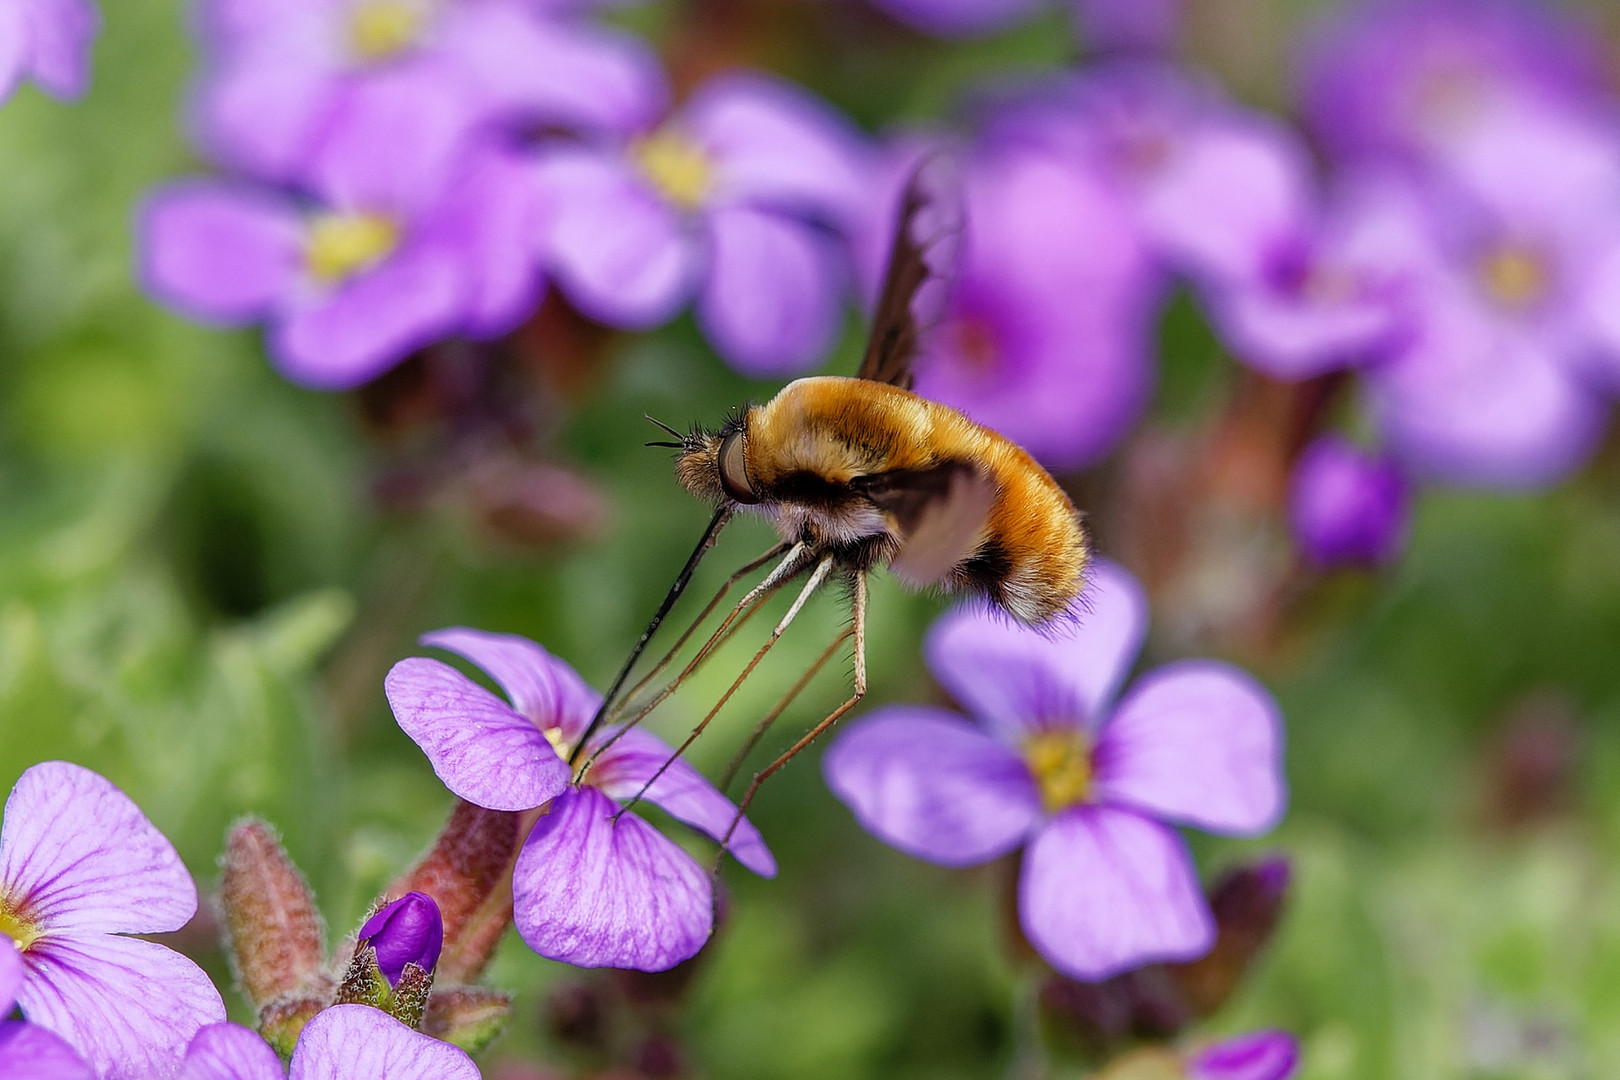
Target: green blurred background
199	598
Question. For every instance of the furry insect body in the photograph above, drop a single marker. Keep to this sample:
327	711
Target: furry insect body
876	475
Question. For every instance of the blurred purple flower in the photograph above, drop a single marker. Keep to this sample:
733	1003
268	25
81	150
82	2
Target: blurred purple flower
1148	25
1348	507
739	198
1047	331
594	886
344	1042
47	41
410	235
80	868
1412	77
1260	1055
404	931
1104	884
959	18
281	69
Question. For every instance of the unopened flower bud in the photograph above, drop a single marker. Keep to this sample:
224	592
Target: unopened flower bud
405	931
1348	508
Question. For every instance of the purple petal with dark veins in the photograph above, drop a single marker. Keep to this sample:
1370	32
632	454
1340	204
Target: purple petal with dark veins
595	892
230	1052
482	750
623	768
130	1007
79	857
350	1042
1103	890
1199	742
543	688
929	783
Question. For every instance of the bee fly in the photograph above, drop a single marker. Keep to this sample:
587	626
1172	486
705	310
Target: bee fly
860	473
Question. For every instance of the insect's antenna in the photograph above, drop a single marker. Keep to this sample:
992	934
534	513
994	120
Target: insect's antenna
710	535
667	428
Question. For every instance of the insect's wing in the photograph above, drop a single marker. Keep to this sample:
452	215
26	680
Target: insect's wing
922	267
940	514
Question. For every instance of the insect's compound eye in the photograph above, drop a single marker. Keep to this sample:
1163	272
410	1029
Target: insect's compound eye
733	471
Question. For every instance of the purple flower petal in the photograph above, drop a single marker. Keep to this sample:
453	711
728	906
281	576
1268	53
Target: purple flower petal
1198	742
59	35
1293	337
491	216
1129	24
543	688
129	1006
1231	190
683	793
261	111
479	747
595	892
392	142
351	1041
772	144
1103	890
554	73
13	47
932	785
11	974
29	1052
339	339
623	255
958	18
770	304
230	1052
1347	506
79	856
1261	1055
219	250
1021	680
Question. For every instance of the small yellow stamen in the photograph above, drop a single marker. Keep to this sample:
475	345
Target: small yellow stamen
379	29
1061	762
1514	277
554	736
341	245
22	931
676	165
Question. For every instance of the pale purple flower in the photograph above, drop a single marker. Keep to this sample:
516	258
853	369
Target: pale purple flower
1410	78
593	886
738	199
1150	25
1047	333
410	234
1259	1055
281	69
1348	507
80	868
28	1050
1085	787
47	41
404	931
959	18
344	1042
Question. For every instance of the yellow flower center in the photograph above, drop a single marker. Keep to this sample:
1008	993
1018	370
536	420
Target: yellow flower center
554	736
14	925
676	166
1514	277
341	245
379	29
1061	762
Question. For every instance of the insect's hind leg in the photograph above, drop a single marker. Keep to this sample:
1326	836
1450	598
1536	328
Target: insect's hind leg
858	631
779	708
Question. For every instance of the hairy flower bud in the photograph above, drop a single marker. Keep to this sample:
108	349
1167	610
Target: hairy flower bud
276	938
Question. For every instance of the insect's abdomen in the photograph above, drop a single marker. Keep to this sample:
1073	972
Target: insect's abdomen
1030	556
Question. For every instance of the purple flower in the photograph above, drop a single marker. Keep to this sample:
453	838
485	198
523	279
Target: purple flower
737	198
28	1049
405	931
1046	335
1348	507
410	234
1411	77
1129	24
281	69
1260	1055
47	41
80	868
593	886
344	1042
959	18
1105	884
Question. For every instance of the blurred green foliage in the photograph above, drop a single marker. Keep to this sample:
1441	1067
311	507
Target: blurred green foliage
199	599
